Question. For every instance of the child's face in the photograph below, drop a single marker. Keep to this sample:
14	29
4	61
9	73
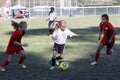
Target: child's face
63	26
104	19
24	27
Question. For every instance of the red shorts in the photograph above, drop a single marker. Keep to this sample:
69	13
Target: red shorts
11	51
104	41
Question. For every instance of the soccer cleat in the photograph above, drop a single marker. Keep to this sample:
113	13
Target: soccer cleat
52	67
111	52
22	66
93	63
57	63
2	69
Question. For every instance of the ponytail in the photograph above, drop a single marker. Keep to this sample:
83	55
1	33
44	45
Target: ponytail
51	10
15	24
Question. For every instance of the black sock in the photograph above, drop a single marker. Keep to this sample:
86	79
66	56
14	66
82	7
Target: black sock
53	61
50	31
58	58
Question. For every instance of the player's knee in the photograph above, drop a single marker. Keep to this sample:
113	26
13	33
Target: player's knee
98	50
10	59
62	56
54	53
23	53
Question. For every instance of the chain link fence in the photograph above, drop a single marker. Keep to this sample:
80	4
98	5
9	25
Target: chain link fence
75	11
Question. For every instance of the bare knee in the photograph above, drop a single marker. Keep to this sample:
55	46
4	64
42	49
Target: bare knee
54	53
23	53
10	58
100	48
62	56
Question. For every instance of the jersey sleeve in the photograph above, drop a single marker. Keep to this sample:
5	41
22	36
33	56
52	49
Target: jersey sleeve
70	33
100	26
110	26
15	36
54	33
55	15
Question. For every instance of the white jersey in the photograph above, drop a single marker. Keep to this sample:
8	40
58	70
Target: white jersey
61	36
52	16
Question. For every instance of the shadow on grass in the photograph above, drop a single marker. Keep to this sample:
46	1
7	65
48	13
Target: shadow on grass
80	69
89	34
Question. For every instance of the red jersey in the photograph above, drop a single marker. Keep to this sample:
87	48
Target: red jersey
104	27
12	48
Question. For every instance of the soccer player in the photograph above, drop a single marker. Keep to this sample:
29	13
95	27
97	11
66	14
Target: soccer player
108	39
15	45
52	17
59	36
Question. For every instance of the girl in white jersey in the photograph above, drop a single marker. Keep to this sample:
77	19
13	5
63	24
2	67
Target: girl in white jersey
52	17
60	36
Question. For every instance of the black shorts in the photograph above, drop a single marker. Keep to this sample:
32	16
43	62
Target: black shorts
51	23
60	48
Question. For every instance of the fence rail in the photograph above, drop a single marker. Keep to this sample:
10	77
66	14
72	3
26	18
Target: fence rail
76	11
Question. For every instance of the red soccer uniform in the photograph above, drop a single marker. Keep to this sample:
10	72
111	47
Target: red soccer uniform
105	40
12	48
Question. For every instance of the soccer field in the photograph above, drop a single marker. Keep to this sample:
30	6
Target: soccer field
79	51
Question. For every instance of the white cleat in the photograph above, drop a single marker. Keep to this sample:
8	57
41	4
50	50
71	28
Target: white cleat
52	67
93	63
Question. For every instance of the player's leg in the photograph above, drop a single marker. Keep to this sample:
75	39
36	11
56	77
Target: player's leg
109	48
6	62
22	58
53	60
60	57
97	54
61	52
50	27
55	50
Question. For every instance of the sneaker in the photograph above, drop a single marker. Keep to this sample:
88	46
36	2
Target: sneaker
52	67
22	66
93	63
2	69
57	63
111	52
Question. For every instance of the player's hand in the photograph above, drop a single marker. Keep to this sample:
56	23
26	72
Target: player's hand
80	35
25	45
110	40
99	39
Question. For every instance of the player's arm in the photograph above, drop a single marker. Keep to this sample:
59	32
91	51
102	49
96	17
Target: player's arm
114	33
54	35
70	33
100	31
55	18
19	44
78	35
47	19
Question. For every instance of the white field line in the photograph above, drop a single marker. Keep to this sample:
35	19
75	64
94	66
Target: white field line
70	43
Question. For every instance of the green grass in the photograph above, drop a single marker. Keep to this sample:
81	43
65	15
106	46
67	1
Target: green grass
79	52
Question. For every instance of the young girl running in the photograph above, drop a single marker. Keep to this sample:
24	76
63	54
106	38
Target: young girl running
52	17
15	45
108	39
59	36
